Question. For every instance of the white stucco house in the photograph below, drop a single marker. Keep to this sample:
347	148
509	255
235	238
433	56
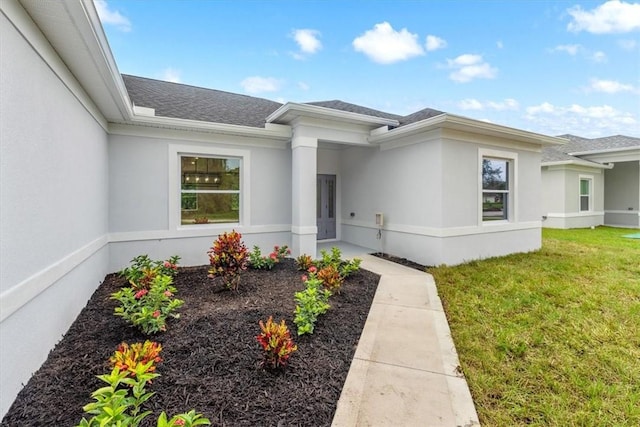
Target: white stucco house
98	167
591	182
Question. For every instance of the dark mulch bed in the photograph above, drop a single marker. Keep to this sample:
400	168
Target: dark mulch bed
401	261
210	354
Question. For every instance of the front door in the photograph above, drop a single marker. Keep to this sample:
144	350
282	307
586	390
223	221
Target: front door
326	206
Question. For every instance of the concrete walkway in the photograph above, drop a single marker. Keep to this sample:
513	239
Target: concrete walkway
404	372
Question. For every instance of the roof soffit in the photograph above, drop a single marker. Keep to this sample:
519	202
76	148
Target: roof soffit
293	112
470	126
74	31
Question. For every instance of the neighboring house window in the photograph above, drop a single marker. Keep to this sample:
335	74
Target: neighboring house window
498	185
586	186
209	190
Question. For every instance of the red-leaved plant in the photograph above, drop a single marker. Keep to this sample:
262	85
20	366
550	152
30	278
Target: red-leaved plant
143	270
127	358
331	278
304	262
276	343
228	258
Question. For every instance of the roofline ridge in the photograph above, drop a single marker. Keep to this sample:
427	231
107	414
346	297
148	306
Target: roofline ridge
201	87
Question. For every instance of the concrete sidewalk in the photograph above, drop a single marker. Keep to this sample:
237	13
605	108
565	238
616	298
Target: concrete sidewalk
404	372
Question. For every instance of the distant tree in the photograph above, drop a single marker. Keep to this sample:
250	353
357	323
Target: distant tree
492	176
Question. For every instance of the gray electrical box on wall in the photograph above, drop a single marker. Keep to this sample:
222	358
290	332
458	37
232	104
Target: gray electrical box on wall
379	219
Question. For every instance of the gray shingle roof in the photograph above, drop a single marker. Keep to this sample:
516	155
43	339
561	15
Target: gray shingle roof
195	103
353	108
425	113
182	101
578	144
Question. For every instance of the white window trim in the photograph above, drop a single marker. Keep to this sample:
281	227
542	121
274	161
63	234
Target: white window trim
178	150
512	207
591	180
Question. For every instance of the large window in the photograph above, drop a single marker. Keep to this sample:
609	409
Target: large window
495	189
209	190
586	185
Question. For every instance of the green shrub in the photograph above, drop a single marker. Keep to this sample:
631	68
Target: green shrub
228	258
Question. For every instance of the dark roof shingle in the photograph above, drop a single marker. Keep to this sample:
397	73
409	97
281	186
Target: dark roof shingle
195	103
183	101
578	144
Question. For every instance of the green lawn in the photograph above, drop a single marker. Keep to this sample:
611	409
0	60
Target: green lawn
551	337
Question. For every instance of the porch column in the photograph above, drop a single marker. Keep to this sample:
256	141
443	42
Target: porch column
303	195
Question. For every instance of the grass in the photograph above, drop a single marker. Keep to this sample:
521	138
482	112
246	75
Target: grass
551	337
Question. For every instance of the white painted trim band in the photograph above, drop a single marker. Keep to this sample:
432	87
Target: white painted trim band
205	230
573	214
17	296
633	212
447	232
304	230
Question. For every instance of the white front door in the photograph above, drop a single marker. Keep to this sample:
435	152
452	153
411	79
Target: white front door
326	206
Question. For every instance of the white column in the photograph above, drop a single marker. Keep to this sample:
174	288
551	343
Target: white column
303	195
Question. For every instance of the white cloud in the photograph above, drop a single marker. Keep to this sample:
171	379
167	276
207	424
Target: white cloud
435	43
507	104
580	120
611	17
468	67
571	49
470	104
577	49
610	86
112	17
598	56
499	44
171	75
627	44
308	41
385	45
303	86
474	104
257	84
545	107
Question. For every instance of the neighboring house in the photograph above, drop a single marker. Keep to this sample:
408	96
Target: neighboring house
97	168
591	182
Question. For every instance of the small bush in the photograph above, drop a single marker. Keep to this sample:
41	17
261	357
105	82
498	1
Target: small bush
259	262
148	309
120	402
276	343
142	270
334	259
331	278
311	303
228	258
304	262
127	357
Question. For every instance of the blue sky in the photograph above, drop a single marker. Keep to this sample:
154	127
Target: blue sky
552	67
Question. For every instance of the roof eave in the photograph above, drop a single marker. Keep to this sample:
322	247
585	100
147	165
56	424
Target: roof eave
452	121
604	151
291	110
578	163
270	131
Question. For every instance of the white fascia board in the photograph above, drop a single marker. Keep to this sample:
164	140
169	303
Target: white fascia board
378	136
290	110
465	123
269	132
452	121
108	64
578	163
605	151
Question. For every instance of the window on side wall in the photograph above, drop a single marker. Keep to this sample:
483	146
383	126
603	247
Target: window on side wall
496	189
586	188
209	189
